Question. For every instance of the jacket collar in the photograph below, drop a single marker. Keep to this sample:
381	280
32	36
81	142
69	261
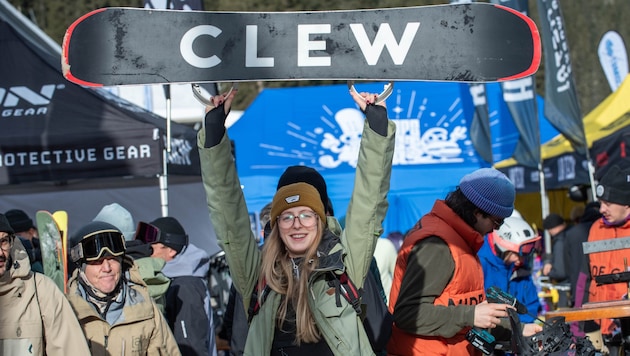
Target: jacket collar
471	236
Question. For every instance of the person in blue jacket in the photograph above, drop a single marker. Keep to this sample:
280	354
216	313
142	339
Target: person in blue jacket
504	257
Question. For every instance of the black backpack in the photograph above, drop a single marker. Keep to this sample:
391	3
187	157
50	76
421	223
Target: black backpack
368	302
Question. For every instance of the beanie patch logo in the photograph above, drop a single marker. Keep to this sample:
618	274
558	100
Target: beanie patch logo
599	191
292	199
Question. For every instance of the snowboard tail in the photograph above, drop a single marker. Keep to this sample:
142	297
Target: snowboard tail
476	42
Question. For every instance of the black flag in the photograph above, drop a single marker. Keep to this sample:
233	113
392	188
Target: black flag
561	104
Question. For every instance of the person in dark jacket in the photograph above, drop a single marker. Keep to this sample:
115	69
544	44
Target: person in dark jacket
576	261
187	300
554	265
576	264
24	228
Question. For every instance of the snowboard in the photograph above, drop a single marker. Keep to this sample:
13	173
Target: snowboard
61	219
477	42
51	247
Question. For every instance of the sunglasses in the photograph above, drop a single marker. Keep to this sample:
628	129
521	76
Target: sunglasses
496	222
94	246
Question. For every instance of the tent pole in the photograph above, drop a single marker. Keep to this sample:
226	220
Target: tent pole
166	152
544	202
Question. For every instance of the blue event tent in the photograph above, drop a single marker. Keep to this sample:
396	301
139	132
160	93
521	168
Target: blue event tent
321	127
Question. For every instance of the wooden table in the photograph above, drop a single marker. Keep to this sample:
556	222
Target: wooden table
593	311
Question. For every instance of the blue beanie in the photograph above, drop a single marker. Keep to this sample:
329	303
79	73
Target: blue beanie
490	190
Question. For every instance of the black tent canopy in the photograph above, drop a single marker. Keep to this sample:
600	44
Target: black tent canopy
54	130
67	147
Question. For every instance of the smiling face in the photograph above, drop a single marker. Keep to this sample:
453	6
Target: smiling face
104	274
298	229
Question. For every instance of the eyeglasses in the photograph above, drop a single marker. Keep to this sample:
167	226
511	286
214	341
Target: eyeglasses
5	242
94	246
306	218
496	222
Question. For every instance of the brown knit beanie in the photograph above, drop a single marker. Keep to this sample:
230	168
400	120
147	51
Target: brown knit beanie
296	194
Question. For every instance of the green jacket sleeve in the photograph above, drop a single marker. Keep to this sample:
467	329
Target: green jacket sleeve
368	203
229	215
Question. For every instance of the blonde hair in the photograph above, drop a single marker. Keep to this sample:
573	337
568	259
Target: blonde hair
277	273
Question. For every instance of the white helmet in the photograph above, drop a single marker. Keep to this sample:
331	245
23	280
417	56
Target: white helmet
515	235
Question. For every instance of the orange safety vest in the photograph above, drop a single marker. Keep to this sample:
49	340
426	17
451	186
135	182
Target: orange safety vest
607	262
465	287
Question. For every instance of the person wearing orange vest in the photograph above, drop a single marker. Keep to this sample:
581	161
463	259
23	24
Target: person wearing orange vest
438	293
613	192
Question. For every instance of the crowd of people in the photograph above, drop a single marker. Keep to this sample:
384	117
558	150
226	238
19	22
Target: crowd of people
142	289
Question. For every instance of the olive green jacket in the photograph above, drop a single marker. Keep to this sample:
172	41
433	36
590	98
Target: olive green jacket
340	326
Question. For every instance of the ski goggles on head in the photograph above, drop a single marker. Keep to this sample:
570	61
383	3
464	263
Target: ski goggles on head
97	245
147	233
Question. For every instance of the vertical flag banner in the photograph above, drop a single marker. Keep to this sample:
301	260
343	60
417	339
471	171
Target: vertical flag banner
520	98
480	125
561	104
613	58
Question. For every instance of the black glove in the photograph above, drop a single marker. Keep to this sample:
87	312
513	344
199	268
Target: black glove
377	119
215	126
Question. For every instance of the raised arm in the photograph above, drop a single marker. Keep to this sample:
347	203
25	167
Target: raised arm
226	203
368	204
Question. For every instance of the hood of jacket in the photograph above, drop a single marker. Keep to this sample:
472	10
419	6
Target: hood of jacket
20	268
193	261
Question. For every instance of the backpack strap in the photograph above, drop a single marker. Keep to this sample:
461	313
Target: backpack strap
344	287
255	303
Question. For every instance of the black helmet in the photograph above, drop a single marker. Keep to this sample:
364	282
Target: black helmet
96	240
